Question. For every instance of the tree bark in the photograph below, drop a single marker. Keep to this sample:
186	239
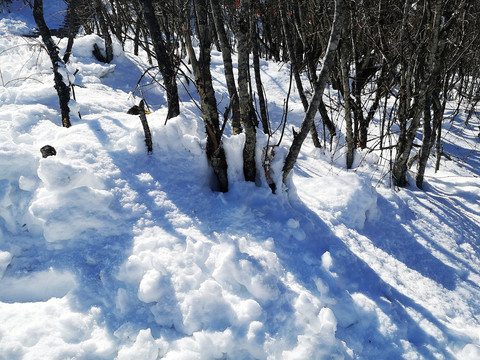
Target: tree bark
203	82
73	24
228	66
349	135
247	115
406	136
296	71
164	61
61	85
99	8
335	35
258	80
434	72
146	128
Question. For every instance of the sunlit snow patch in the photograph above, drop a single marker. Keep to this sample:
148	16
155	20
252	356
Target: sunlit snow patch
39	286
16	27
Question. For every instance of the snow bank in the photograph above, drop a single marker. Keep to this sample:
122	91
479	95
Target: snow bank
52	330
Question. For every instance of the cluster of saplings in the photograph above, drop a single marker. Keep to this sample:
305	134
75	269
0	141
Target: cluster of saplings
395	63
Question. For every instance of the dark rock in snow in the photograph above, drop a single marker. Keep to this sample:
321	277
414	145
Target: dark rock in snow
47	151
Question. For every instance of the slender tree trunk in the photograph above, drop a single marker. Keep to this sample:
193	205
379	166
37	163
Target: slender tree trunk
247	115
146	128
327	121
165	64
433	67
349	135
203	82
136	39
426	145
61	84
438	111
258	80
73	27
335	35
228	65
105	34
405	138
296	72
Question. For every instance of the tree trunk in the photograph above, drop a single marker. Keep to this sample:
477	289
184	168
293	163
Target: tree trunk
335	35
105	34
61	85
146	128
73	24
203	82
247	115
349	135
433	67
406	136
228	66
426	146
258	80
327	121
296	71
165	64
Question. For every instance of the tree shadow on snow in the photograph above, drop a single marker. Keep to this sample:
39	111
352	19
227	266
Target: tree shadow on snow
392	237
359	324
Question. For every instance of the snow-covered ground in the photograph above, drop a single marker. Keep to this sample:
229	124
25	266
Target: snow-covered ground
107	252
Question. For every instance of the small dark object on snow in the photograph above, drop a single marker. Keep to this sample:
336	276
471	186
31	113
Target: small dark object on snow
47	151
136	110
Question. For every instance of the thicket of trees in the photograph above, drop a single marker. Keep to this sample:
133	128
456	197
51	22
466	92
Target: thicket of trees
393	62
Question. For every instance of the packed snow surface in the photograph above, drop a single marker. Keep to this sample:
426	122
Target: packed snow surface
107	252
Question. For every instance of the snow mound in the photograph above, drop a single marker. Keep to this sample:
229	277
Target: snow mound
470	352
14	27
63	213
52	330
348	199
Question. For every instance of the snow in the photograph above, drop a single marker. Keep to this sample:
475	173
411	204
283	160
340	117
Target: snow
107	252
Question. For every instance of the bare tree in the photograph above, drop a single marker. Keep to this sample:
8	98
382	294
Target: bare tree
164	61
298	140
203	82
228	65
247	115
61	84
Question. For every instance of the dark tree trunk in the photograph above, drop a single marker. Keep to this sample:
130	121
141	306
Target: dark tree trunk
146	128
426	145
247	115
203	81
433	65
164	61
73	24
258	81
99	9
406	136
349	135
319	89
425	79
228	66
296	71
61	86
327	121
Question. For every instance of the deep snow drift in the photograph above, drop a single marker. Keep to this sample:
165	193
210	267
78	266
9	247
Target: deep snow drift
109	253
